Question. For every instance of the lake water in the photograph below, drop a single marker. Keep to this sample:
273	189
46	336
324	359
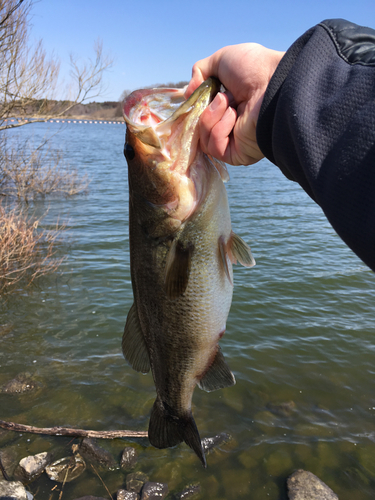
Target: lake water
300	340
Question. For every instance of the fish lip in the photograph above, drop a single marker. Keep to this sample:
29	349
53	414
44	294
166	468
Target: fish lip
211	85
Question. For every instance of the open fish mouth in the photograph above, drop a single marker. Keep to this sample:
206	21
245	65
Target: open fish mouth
165	134
164	120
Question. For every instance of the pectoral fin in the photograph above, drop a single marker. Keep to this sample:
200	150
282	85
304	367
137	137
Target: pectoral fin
218	375
239	251
224	260
177	269
133	343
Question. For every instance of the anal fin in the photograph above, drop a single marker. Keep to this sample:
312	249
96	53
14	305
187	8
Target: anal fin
133	344
218	375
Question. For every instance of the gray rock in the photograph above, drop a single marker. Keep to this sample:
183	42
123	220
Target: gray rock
66	469
12	490
282	409
23	382
9	459
34	465
189	492
304	485
154	491
90	449
129	458
90	497
135	481
209	444
127	495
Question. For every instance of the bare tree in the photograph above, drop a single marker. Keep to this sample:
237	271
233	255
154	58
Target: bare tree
28	77
28	83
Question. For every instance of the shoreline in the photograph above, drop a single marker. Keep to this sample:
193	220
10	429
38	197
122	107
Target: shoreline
71	119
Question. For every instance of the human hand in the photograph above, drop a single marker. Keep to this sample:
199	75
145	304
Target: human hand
228	125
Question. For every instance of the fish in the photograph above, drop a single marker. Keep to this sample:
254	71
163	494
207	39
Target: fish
182	248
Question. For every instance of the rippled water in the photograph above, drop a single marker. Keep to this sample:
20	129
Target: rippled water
300	340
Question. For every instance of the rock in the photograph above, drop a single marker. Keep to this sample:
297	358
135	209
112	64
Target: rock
129	458
90	497
90	449
135	481
154	491
209	444
34	465
66	469
304	485
189	492
127	495
20	384
9	459
282	409
13	490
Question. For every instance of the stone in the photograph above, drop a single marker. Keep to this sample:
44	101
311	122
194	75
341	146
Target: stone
127	495
304	485
34	465
135	481
209	444
129	458
10	459
66	469
13	490
282	409
90	449
90	497
279	463
23	382
154	491
189	492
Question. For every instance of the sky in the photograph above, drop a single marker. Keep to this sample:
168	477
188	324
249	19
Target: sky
155	42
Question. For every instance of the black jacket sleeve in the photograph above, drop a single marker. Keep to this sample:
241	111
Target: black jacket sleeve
317	124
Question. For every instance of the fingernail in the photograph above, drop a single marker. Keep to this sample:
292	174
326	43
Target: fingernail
216	102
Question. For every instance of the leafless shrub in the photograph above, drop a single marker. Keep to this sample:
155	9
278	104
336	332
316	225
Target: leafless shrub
29	173
26	251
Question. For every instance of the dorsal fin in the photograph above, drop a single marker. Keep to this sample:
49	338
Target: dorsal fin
177	268
133	344
239	251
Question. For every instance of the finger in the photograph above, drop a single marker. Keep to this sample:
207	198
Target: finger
202	70
219	140
210	117
231	100
216	125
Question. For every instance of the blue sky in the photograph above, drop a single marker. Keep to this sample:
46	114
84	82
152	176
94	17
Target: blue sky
159	41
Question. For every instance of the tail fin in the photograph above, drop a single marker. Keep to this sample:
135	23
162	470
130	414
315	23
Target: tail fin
166	430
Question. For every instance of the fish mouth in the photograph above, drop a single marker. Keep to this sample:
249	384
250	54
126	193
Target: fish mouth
166	137
151	113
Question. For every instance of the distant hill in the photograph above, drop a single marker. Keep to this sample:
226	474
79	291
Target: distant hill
109	110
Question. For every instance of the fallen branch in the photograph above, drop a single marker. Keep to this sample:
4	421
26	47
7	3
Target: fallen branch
68	431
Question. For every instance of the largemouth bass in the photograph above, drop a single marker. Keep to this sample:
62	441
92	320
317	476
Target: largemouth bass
181	251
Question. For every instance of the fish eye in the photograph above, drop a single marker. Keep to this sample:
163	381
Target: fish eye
129	152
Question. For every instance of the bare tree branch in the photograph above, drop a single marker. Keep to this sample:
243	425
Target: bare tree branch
67	431
28	77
